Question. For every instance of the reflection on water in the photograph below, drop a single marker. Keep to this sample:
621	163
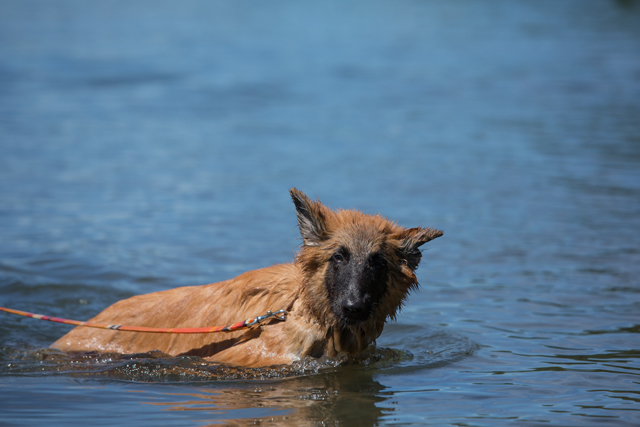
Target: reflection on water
333	398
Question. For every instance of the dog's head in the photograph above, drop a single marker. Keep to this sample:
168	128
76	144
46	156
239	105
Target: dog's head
358	268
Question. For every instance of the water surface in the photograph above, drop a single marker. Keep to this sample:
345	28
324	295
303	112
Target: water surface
148	145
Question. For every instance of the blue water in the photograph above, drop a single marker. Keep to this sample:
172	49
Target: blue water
146	145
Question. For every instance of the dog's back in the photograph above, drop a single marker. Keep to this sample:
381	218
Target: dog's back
218	304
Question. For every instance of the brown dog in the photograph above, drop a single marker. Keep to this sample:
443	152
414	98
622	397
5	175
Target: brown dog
351	275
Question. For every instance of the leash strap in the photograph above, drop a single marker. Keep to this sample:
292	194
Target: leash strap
279	315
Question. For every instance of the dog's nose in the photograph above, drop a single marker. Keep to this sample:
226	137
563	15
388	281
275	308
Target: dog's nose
353	307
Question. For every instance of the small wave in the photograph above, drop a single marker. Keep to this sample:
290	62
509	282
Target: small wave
406	348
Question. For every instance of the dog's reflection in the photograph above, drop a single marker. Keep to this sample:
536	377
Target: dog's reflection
347	397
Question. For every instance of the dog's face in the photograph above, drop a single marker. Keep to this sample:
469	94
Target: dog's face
359	267
356	278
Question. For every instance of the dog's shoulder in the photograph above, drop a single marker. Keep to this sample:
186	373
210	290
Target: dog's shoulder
267	289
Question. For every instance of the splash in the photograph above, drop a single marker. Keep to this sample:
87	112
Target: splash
156	366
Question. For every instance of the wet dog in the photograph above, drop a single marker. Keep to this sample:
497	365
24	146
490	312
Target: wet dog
351	275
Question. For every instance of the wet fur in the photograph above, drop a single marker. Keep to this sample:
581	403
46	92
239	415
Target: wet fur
352	273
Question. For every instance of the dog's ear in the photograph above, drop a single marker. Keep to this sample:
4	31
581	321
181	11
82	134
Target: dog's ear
312	218
410	241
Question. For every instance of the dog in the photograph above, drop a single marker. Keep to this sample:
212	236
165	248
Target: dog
352	273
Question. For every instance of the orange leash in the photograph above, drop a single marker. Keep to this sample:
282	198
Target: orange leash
279	315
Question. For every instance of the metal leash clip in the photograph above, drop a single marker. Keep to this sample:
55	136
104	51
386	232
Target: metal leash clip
280	315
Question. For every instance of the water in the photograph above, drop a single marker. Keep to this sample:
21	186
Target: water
147	145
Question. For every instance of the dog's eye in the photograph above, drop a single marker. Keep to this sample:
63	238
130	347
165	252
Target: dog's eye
341	256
